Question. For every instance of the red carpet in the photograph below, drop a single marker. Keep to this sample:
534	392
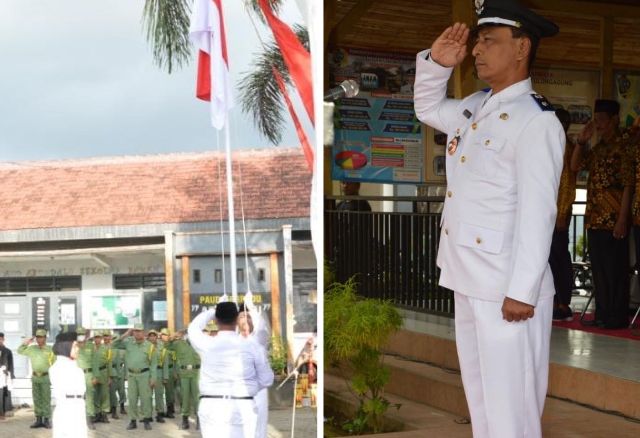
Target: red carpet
619	333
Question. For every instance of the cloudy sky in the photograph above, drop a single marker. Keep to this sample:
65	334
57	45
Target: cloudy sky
77	80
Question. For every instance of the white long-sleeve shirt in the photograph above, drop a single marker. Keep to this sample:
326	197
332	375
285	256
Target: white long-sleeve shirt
230	366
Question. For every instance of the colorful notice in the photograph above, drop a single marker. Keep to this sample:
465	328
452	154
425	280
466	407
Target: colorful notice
627	93
377	135
115	311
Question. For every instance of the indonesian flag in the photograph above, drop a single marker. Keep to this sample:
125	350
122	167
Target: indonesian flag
207	35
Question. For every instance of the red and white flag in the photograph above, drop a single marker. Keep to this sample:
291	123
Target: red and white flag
207	35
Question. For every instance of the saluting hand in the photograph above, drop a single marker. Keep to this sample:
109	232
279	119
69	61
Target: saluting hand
515	311
450	48
586	133
27	341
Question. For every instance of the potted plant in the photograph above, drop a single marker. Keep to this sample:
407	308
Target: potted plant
278	359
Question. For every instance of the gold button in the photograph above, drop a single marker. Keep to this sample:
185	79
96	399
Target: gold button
487	142
449	194
463	159
474	126
446	231
504	116
478	240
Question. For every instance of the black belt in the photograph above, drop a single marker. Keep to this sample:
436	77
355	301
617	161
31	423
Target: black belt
232	397
104	367
190	367
74	396
87	370
37	374
170	365
137	371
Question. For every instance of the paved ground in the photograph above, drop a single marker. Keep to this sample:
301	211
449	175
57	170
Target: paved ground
279	426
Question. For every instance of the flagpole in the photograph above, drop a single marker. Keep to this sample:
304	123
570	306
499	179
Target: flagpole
232	225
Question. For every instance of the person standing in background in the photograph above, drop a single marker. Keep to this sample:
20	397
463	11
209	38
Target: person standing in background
41	357
6	376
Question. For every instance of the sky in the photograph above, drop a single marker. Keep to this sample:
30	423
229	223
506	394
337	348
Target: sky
77	80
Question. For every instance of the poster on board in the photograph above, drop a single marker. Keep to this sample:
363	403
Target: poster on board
115	311
377	135
627	93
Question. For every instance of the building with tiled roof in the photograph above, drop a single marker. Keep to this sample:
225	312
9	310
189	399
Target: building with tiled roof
107	242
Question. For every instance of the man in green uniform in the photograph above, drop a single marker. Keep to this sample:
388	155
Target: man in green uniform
41	357
87	361
103	375
141	361
170	384
188	364
117	376
162	374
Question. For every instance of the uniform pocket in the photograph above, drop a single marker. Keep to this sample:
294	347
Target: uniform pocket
484	158
480	238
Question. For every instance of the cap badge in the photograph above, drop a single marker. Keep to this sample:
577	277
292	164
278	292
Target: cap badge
479	6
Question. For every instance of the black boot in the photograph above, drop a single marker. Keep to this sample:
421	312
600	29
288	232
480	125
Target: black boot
159	418
104	418
90	424
132	425
122	410
114	413
170	411
38	423
185	423
45	423
147	423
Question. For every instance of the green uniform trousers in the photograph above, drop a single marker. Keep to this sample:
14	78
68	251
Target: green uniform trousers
170	390
117	387
189	392
90	395
102	401
41	393
139	391
158	393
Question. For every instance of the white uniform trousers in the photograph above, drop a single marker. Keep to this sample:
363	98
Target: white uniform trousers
262	404
69	419
227	418
504	365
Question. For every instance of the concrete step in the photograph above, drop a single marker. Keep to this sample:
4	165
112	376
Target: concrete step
422	361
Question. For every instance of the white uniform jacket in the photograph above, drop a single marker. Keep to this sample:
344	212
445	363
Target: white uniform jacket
68	389
502	183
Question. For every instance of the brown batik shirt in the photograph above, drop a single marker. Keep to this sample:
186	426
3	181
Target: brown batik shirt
567	189
611	169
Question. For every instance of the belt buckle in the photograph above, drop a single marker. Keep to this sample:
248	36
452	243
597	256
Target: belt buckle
189	367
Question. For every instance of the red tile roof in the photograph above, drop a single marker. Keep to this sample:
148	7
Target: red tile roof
276	183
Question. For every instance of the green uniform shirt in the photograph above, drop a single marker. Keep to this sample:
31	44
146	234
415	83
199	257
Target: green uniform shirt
41	358
117	361
185	354
87	359
139	355
103	363
163	360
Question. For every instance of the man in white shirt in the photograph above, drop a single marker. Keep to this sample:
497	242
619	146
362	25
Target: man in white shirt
231	374
504	160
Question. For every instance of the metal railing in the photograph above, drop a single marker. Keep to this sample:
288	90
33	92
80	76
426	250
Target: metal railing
393	255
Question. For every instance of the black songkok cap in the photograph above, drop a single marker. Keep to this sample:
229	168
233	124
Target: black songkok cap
512	13
226	311
610	107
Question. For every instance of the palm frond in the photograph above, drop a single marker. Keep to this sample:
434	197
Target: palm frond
254	7
166	23
259	92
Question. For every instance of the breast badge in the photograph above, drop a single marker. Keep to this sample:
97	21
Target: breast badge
453	145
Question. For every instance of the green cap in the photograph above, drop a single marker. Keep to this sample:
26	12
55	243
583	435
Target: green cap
138	326
81	331
152	332
106	332
97	333
165	331
41	332
211	327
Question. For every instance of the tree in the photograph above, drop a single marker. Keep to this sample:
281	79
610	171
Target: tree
166	24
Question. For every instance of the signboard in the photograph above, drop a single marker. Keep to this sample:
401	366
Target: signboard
115	311
377	135
40	310
200	303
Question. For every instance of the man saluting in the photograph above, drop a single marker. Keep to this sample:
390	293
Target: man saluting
504	159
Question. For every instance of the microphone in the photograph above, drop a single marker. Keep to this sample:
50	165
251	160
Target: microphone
348	88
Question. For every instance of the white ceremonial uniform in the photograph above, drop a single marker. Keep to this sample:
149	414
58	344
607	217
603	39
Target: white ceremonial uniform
68	390
503	161
232	368
260	336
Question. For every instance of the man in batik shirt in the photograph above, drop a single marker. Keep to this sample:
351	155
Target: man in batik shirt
609	190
